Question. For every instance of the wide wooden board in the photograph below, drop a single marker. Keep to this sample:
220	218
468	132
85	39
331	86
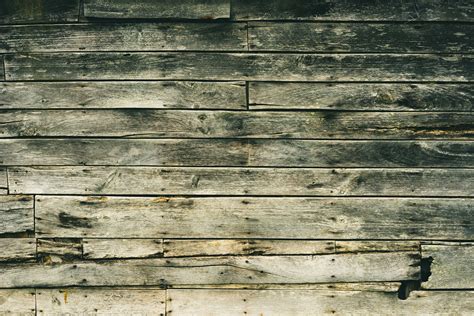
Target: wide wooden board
122	248
17	250
16	212
38	11
17	302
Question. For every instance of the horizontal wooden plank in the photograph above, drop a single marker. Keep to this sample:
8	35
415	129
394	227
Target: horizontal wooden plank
375	246
139	123
246	217
122	248
116	94
82	301
360	37
218	270
17	302
17	249
353	10
240	181
16	212
125	37
452	266
238	66
58	250
3	181
226	152
183	9
361	96
2	72
39	11
316	302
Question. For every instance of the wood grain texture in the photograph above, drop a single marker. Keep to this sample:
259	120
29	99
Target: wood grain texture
353	10
116	94
360	37
452	266
17	250
58	250
183	9
3	181
38	11
316	302
139	123
218	270
238	66
17	302
16	212
232	152
125	37
246	217
360	97
122	248
81	301
2	68
375	246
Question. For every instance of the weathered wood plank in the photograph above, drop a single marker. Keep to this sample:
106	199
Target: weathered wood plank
376	246
195	247
452	266
316	302
218	270
2	70
339	286
301	218
238	66
240	181
125	37
58	250
16	212
17	302
353	10
81	301
3	181
17	249
360	37
355	96
122	248
184	9
38	11
226	152
115	94
136	123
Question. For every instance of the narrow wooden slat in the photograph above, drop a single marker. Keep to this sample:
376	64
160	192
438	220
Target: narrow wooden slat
3	181
353	10
122	248
2	70
17	302
183	9
81	301
240	181
17	249
246	217
124	37
237	66
354	96
58	250
39	11
149	123
339	286
376	246
218	270
360	37
16	212
116	94
452	266
316	302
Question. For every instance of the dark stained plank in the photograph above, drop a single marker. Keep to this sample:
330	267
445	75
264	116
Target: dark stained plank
235	153
122	248
116	94
2	69
354	10
238	66
240	181
38	11
58	250
181	9
3	181
16	212
124	37
361	37
364	96
17	250
17	302
139	123
247	217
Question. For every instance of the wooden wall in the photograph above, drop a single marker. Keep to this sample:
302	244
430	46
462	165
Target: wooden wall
247	157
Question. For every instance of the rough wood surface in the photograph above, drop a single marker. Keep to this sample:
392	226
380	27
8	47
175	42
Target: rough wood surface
122	248
17	250
125	37
139	123
238	66
17	302
3	181
360	37
218	270
80	301
2	69
183	9
355	96
353	10
16	213
376	246
38	11
303	218
316	302
240	181
452	266
58	250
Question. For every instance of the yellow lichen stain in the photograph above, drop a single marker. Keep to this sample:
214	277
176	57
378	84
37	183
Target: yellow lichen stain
161	200
65	297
